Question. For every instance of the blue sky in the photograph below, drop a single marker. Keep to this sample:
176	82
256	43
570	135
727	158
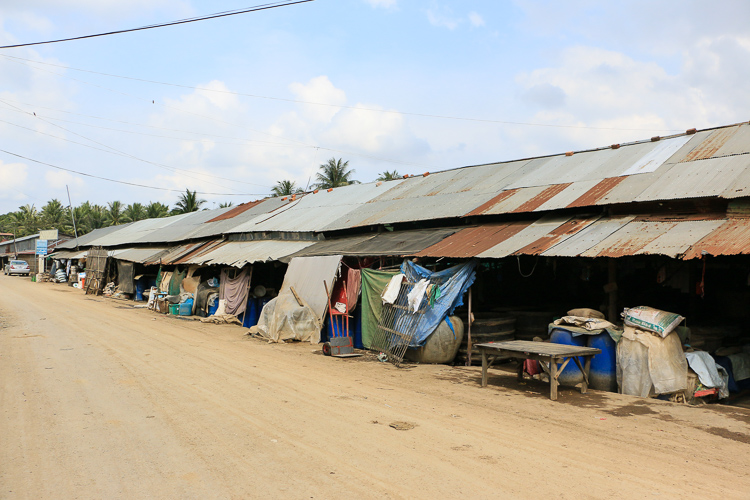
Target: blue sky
270	95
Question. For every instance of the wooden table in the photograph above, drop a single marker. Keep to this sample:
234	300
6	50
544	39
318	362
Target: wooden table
544	352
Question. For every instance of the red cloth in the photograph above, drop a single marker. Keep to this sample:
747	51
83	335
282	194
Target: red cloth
531	366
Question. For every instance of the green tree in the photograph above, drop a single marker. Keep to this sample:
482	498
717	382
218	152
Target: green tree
285	188
114	213
156	210
187	203
25	221
389	176
134	212
333	174
226	205
56	216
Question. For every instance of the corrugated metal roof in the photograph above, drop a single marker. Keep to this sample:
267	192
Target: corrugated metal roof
239	253
68	254
587	238
533	232
472	241
139	255
388	243
677	240
731	238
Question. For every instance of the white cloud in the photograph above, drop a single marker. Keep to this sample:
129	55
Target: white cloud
475	19
12	178
383	4
319	90
442	17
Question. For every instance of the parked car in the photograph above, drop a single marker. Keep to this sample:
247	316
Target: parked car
17	267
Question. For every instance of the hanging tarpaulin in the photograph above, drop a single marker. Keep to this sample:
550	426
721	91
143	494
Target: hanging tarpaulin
373	284
298	311
451	285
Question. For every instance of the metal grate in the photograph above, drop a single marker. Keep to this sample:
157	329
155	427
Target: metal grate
398	325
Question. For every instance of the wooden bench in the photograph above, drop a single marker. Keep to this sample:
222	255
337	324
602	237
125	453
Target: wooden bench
544	352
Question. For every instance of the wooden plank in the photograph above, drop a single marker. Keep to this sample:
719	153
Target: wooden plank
543	348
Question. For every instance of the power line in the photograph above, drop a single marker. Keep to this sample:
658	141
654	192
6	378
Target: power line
172	23
112	150
122	182
343	106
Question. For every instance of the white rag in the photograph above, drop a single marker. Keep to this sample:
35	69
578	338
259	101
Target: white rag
709	373
415	296
390	294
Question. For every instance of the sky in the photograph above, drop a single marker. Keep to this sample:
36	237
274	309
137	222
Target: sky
230	106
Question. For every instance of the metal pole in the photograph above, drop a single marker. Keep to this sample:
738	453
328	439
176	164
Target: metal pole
72	216
468	340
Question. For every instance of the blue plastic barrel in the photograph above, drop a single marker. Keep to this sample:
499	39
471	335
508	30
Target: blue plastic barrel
140	287
603	372
571	375
251	313
213	308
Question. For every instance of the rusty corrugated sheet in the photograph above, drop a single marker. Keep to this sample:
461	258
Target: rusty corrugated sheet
472	241
542	198
557	235
710	145
731	238
597	192
629	239
495	200
198	250
234	212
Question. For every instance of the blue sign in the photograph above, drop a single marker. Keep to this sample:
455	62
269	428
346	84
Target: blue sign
41	247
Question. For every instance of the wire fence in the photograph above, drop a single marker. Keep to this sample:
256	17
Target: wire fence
398	324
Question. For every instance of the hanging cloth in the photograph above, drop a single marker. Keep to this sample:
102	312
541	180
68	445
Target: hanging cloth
353	285
234	290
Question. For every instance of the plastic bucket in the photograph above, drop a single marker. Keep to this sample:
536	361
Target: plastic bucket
571	375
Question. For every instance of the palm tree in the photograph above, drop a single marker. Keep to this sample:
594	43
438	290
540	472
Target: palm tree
389	176
285	188
187	203
333	174
26	220
98	217
156	210
55	216
226	205
114	212
134	212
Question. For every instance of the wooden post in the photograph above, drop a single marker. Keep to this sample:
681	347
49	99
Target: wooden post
468	338
586	369
612	290
485	367
553	378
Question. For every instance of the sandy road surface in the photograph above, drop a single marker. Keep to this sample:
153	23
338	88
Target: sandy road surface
100	400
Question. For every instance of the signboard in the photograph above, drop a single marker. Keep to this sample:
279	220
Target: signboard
41	247
49	234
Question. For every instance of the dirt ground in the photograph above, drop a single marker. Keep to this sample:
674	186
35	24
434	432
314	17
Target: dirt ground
101	400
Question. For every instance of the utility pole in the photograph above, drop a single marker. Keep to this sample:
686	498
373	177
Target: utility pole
72	216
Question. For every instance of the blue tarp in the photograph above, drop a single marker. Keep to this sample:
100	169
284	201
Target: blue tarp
453	283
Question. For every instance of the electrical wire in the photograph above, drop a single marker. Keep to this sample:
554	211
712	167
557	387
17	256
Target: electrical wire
343	106
122	182
112	150
171	23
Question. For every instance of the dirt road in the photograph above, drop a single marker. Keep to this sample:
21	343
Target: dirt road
100	400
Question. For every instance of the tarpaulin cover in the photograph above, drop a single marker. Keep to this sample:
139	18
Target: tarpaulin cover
234	290
125	276
453	283
176	281
373	284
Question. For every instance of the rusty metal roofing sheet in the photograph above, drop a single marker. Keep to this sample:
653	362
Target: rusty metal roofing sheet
737	144
560	233
677	240
533	232
709	146
568	195
472	241
696	179
239	253
587	238
542	198
521	197
660	154
629	239
389	243
731	238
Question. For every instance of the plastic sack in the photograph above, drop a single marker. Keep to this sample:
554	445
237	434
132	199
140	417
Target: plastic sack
655	359
653	320
282	318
